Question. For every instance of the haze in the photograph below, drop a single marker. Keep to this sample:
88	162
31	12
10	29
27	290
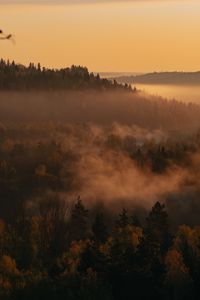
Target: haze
140	36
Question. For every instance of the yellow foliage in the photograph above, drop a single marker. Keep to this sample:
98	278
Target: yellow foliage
5	286
105	248
190	237
7	145
174	263
8	265
130	234
72	258
177	279
41	170
136	236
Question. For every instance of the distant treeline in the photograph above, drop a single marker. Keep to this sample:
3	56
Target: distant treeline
176	78
18	77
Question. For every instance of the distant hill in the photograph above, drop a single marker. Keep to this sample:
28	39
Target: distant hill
176	78
117	74
34	77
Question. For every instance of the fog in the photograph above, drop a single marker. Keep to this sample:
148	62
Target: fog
187	94
106	170
103	147
103	169
101	108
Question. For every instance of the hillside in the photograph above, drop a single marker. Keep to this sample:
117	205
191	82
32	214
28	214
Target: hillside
176	78
34	77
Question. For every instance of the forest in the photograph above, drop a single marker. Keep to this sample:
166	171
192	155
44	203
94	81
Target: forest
99	189
15	76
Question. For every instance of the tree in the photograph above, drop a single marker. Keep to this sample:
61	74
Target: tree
135	221
79	221
123	219
157	229
187	242
9	274
155	243
177	282
3	234
53	226
99	229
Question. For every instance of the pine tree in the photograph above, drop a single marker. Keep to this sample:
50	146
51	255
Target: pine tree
157	229
135	221
123	219
99	229
79	221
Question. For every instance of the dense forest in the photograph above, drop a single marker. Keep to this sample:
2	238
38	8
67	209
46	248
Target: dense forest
99	107
68	253
18	77
88	212
99	189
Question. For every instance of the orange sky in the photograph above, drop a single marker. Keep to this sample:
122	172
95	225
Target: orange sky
138	36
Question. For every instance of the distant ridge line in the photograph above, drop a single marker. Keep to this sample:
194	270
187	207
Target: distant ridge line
175	77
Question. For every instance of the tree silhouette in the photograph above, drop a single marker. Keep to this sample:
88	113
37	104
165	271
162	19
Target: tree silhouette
19	77
123	219
157	229
79	221
99	229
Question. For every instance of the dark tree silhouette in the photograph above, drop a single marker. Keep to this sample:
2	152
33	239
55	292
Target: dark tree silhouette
99	229
79	221
157	229
19	77
123	219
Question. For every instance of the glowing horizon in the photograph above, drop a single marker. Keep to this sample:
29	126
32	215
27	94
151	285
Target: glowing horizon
133	36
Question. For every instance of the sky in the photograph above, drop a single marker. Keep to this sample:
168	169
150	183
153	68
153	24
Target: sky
104	35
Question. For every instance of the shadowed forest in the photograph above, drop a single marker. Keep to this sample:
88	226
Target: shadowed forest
99	189
18	77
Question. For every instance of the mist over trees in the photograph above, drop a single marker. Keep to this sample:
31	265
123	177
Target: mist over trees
99	189
122	237
102	108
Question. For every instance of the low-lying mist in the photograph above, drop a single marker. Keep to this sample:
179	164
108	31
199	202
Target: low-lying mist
111	149
127	166
100	108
